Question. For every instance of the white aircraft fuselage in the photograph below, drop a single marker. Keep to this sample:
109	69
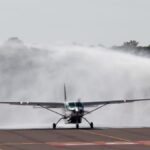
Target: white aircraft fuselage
74	112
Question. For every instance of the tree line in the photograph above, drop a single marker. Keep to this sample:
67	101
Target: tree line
132	46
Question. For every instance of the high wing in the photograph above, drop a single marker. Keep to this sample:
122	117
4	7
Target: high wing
86	104
42	104
96	103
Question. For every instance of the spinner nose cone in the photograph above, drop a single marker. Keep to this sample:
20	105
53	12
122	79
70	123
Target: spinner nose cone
77	109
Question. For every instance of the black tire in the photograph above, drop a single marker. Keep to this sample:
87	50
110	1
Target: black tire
54	126
77	126
91	125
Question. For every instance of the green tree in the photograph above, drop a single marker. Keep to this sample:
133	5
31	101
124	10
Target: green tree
132	44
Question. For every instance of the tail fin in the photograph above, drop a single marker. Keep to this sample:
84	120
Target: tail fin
65	94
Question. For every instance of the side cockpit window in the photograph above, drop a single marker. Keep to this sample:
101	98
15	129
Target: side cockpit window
79	104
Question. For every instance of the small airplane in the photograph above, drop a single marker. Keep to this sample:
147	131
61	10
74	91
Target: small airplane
73	112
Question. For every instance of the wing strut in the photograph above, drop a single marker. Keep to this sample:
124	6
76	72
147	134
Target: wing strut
95	109
52	110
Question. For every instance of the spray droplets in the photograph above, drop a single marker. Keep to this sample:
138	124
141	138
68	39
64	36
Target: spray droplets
38	73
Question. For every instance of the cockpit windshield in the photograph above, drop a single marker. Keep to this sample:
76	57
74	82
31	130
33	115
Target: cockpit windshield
79	104
71	105
75	104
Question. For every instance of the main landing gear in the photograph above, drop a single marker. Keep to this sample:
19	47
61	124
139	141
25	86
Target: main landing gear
90	123
55	124
77	125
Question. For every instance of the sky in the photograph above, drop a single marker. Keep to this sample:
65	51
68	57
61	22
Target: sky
106	22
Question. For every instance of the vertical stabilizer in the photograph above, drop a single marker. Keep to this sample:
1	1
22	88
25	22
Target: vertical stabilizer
65	94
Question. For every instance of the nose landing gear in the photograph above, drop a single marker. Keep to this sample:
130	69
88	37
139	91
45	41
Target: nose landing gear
77	126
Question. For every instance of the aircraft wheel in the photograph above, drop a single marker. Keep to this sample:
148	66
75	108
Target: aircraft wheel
91	125
77	126
54	126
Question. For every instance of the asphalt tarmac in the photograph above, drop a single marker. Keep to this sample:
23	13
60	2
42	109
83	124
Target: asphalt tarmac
72	139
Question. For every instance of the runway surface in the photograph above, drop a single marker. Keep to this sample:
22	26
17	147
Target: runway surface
81	139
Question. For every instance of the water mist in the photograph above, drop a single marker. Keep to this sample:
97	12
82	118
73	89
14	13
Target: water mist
38	73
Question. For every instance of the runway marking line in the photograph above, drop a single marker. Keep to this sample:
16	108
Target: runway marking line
100	143
105	135
20	143
144	143
67	144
